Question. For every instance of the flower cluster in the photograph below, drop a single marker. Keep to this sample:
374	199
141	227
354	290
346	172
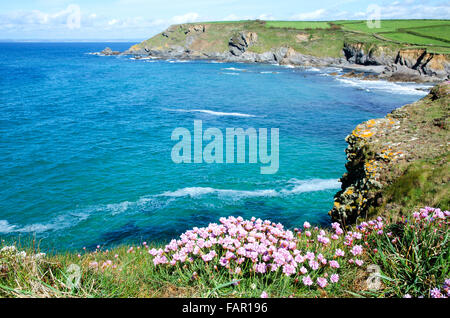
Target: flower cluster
444	293
262	247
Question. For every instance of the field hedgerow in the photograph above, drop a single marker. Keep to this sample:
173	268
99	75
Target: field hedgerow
251	258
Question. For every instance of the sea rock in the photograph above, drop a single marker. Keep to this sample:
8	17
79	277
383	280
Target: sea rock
107	51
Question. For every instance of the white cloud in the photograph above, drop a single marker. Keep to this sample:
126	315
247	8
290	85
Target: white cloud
313	15
188	17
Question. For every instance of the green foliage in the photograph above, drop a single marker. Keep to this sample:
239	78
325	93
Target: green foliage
414	256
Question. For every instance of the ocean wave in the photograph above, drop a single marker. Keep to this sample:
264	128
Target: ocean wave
228	73
301	186
381	85
214	113
157	201
59	223
234	69
294	187
200	191
177	61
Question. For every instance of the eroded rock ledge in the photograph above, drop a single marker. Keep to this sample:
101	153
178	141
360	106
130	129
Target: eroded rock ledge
381	150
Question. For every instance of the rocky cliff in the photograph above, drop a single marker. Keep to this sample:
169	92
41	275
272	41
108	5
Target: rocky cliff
398	162
252	42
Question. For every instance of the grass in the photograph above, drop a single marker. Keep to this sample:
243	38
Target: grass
299	25
408	38
439	32
414	258
425	181
391	25
417	262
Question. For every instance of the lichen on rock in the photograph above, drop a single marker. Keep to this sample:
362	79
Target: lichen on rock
380	150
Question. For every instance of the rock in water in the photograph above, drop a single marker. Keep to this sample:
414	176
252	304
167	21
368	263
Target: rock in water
107	51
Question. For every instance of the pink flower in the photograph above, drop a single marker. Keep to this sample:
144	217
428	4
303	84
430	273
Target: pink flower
306	225
334	264
334	278
359	262
339	253
264	295
303	270
357	250
260	268
322	282
307	281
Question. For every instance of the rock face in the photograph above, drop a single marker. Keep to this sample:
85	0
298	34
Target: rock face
357	53
209	41
239	43
416	63
425	63
380	150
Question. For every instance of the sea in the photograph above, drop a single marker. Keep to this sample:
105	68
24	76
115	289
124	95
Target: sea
86	142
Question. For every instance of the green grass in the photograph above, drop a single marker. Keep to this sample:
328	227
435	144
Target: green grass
412	39
300	25
414	259
391	25
439	32
425	182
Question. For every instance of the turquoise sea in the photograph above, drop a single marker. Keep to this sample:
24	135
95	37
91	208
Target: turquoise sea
85	142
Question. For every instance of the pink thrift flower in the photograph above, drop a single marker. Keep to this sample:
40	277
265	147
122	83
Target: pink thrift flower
322	282
307	281
357	250
359	262
334	264
334	278
264	295
339	253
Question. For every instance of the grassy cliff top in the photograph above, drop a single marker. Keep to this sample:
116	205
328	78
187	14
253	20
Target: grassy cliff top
319	38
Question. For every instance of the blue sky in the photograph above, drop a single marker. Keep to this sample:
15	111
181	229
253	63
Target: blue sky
140	19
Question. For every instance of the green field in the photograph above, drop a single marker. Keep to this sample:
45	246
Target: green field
413	39
439	32
299	25
392	25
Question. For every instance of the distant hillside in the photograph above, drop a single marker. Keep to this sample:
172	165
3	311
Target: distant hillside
317	38
420	45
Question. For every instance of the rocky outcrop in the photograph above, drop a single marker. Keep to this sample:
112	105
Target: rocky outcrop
425	63
402	65
380	150
358	53
239	43
107	51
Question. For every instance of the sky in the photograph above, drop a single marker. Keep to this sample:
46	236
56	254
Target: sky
140	19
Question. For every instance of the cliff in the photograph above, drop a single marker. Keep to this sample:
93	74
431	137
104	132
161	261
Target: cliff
253	41
398	163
